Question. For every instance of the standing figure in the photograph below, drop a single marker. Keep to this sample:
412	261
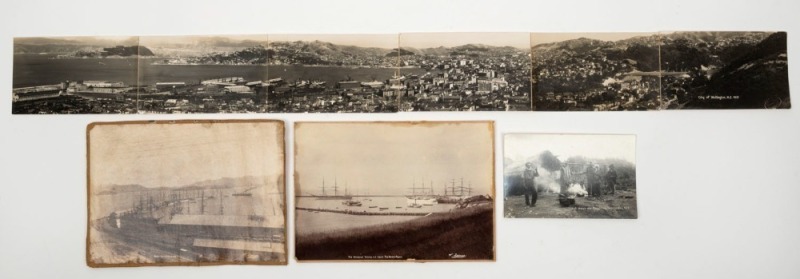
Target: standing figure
611	179
528	182
591	180
564	179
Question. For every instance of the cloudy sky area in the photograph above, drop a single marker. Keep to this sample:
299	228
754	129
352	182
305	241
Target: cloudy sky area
171	155
387	158
520	146
224	40
429	40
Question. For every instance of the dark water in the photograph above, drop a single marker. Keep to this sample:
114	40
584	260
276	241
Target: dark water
34	69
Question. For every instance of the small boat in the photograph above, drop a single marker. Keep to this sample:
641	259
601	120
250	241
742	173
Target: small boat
373	206
384	208
351	203
398	207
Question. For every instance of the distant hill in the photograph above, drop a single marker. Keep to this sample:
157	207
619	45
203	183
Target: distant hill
712	36
399	52
221	183
323	53
256	55
65	45
577	45
468	49
643	51
760	77
117	51
114	188
228	182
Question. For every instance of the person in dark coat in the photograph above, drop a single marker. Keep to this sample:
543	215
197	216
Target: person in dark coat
591	180
529	183
611	179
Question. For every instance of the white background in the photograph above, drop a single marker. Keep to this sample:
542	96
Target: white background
718	190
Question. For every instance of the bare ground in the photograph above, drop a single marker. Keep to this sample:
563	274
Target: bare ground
621	205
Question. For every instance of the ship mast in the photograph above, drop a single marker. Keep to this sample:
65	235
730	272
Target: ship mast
335	186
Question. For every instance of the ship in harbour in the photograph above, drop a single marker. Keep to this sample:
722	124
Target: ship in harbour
421	196
453	193
335	188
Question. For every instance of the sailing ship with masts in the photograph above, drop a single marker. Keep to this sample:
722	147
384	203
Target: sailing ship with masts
336	196
421	196
455	193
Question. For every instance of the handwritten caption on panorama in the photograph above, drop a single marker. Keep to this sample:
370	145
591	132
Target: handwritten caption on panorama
717	97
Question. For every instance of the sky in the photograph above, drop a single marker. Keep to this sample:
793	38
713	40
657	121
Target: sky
87	40
430	40
521	146
387	41
159	41
542	38
172	155
388	158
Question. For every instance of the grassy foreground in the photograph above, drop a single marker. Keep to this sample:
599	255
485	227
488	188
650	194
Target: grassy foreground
460	234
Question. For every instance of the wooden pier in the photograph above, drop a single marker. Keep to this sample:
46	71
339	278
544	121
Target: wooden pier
365	213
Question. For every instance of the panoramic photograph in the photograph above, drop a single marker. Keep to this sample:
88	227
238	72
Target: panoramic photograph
158	197
595	71
569	176
724	70
394	191
68	75
203	74
332	72
464	72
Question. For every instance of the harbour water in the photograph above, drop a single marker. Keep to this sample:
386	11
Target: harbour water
315	222
41	69
214	202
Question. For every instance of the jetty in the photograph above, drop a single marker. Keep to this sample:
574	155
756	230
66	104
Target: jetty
353	212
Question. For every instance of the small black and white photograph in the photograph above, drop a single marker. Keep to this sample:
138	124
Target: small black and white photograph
569	176
464	72
75	75
203	74
724	70
595	71
394	191
197	192
333	73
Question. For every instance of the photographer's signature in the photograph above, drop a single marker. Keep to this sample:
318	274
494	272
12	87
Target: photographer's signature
456	256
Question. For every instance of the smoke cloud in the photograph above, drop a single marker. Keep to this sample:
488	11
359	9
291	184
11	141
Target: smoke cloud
549	161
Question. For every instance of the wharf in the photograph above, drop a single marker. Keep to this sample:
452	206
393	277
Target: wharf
352	212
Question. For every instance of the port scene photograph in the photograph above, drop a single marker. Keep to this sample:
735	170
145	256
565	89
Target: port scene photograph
569	176
391	191
158	197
